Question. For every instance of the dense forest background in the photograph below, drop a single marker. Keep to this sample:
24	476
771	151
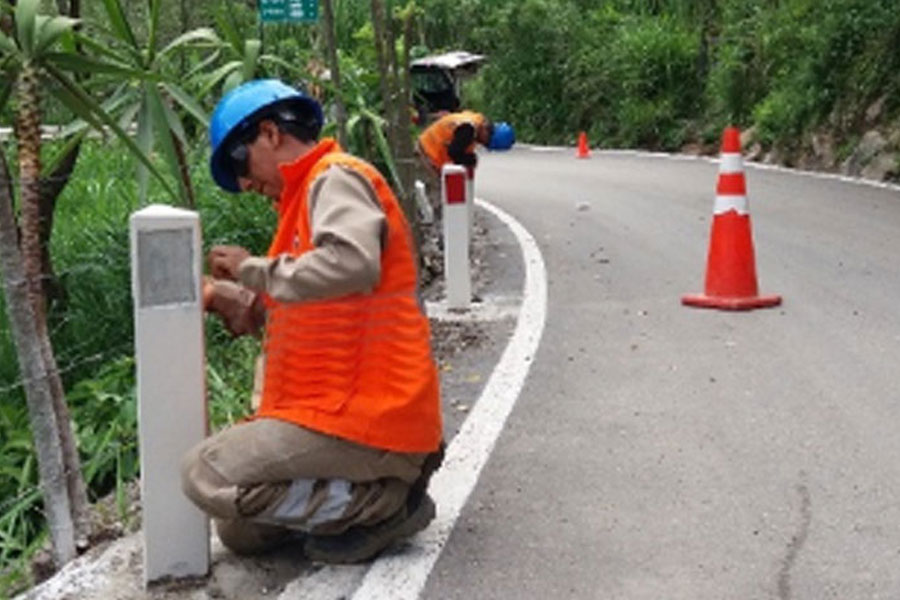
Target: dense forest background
810	77
813	83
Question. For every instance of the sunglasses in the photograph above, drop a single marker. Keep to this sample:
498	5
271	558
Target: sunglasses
238	156
239	153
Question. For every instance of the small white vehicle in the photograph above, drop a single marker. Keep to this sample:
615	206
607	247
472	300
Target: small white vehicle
436	81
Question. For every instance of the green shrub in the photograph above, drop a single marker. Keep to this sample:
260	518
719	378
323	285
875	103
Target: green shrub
104	410
524	40
781	116
634	78
790	67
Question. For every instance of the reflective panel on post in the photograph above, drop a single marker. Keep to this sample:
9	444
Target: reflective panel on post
455	186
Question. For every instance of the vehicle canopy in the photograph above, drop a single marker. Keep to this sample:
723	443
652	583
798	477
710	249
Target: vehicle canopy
436	81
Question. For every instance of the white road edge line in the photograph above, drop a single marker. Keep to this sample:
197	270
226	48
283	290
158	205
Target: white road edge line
402	576
885	185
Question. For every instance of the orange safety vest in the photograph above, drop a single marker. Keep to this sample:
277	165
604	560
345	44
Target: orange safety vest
437	136
358	367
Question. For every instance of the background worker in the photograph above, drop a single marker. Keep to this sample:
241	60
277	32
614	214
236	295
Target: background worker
452	138
348	428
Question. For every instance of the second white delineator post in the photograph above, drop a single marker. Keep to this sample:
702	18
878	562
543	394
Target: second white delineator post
470	196
457	206
169	352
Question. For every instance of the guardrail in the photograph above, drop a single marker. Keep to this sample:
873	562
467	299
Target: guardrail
48	132
51	132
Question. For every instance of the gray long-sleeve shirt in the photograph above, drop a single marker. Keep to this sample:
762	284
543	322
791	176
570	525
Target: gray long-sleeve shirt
348	229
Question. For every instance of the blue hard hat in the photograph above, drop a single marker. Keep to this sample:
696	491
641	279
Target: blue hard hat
238	108
503	137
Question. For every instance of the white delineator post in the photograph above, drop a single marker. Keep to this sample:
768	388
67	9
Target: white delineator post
457	204
470	195
169	350
426	213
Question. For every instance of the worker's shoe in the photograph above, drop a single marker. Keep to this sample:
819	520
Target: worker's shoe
359	543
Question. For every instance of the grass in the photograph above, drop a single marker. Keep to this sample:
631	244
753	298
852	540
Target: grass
92	334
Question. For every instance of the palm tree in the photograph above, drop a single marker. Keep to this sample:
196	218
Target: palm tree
146	89
37	56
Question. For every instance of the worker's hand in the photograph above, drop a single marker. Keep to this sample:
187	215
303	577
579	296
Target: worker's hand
240	309
209	291
225	260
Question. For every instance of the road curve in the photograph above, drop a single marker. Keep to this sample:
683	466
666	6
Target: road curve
659	451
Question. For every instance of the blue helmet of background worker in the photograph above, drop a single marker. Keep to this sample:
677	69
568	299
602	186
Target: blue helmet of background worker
503	137
237	113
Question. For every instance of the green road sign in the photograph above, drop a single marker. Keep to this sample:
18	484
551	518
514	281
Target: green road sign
294	11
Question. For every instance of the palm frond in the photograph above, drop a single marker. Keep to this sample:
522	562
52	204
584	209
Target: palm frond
151	35
26	19
89	107
203	34
119	23
7	44
50	29
86	64
251	56
186	102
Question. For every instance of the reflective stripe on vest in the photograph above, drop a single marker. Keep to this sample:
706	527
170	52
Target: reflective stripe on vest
358	367
437	137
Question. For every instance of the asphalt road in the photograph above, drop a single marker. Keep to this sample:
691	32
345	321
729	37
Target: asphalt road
665	452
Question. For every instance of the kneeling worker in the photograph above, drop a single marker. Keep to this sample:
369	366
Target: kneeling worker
348	429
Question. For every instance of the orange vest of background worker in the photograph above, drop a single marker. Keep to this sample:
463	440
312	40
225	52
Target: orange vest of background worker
348	430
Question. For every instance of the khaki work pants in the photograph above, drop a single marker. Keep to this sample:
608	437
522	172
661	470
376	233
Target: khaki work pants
264	479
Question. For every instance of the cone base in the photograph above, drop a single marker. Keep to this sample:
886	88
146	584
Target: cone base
726	303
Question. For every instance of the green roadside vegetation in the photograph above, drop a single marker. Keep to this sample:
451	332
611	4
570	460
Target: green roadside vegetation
663	73
647	74
92	331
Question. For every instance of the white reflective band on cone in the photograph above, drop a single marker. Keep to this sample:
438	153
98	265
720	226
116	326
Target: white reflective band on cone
726	203
731	162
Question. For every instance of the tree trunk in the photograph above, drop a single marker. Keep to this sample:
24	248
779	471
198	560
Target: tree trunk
185	27
184	172
71	460
390	47
396	90
36	378
335	67
385	70
405	153
28	135
29	149
51	186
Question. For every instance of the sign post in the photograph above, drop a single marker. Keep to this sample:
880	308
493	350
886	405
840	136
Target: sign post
168	319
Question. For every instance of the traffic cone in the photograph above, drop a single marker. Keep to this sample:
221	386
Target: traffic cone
583	151
730	266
